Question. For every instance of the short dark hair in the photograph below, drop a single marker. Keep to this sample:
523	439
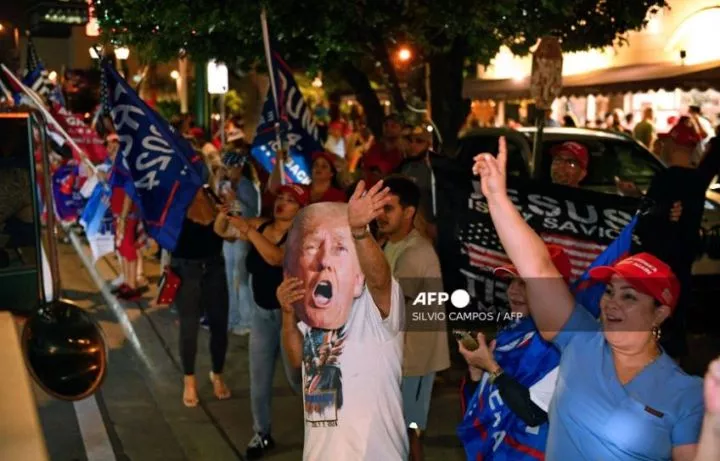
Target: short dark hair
405	189
694	109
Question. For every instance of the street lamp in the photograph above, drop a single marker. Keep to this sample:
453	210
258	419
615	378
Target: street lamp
175	75
404	54
122	53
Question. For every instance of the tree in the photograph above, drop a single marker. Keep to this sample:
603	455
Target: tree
357	39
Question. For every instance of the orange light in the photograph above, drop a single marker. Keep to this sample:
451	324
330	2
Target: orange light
404	54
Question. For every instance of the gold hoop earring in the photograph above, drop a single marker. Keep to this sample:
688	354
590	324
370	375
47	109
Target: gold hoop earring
657	333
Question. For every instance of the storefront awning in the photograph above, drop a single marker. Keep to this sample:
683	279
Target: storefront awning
628	79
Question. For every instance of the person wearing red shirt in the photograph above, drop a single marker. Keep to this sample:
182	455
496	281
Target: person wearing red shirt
391	148
324	186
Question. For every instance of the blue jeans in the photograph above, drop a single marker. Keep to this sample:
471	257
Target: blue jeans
265	346
239	293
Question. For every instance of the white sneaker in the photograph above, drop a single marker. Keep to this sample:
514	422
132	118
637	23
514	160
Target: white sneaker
240	331
117	282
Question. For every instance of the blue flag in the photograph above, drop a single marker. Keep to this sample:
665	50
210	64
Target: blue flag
97	220
489	429
68	200
588	294
296	123
157	169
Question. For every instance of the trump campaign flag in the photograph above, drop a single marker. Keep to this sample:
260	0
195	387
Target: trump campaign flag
85	137
159	171
296	126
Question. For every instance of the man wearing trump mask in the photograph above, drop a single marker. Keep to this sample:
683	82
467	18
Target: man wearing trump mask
342	324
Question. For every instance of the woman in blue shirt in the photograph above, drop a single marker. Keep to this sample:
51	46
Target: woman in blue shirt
618	395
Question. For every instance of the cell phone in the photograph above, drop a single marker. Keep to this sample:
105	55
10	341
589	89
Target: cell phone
211	193
467	339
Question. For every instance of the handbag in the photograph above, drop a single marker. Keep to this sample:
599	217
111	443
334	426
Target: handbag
167	287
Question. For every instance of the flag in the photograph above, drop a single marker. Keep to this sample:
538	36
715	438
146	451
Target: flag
157	169
85	137
66	194
483	247
489	428
36	76
296	123
97	220
584	223
588	294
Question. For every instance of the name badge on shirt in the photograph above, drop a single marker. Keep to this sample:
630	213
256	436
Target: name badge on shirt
654	412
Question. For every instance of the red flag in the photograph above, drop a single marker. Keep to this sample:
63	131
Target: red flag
84	136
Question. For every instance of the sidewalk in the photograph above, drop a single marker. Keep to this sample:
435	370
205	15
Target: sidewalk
229	422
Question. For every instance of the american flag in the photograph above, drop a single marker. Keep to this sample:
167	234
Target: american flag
482	245
36	76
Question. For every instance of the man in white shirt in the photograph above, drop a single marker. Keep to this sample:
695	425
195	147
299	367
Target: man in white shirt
416	267
342	323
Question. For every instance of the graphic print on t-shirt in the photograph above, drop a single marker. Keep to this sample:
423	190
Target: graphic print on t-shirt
322	375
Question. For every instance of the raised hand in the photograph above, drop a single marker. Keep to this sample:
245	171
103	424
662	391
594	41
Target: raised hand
364	206
241	224
492	170
290	291
482	357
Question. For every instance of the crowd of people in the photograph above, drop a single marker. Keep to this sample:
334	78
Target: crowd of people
319	276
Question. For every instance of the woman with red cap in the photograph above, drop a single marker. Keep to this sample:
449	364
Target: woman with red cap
521	367
264	263
619	396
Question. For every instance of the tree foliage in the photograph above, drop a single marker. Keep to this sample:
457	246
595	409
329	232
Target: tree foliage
360	36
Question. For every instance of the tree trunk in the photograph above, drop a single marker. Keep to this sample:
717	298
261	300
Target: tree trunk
393	82
365	94
449	108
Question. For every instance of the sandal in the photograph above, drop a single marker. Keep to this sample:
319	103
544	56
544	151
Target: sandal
220	390
190	396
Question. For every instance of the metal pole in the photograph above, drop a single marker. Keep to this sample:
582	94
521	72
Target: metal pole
222	121
273	88
537	144
201	97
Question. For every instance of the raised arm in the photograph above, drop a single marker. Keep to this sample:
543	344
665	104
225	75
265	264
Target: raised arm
290	291
363	207
551	302
270	252
708	449
275	179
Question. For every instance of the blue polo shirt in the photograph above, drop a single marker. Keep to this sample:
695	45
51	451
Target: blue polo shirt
594	417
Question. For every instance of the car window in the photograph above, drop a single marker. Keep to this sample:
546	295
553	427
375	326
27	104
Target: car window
635	163
610	158
472	145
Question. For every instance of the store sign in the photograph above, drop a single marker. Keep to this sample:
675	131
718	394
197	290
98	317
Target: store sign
217	74
546	79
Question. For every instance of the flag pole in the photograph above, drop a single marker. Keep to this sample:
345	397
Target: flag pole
48	116
268	57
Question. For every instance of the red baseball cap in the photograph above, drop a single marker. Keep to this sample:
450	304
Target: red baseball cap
682	134
298	192
574	149
559	258
647	274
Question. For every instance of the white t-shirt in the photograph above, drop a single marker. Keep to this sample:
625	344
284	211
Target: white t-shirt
352	403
